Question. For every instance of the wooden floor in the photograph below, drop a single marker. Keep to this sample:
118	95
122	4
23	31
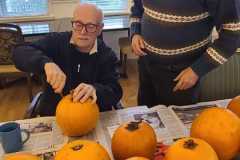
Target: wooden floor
14	98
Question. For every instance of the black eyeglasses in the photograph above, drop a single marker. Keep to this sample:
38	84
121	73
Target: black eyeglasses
89	27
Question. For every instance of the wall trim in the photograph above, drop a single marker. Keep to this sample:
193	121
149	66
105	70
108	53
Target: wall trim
26	19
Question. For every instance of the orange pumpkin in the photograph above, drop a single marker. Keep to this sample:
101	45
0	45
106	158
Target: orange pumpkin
134	139
234	105
137	158
220	128
76	119
190	149
82	150
21	156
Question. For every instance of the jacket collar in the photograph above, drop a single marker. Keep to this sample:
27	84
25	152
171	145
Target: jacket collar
92	51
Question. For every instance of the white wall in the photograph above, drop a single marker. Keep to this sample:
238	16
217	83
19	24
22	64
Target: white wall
111	39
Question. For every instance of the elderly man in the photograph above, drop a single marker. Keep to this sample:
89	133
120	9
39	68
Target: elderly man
74	61
173	40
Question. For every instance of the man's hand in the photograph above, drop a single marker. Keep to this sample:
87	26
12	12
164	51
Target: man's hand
186	79
138	45
55	77
84	91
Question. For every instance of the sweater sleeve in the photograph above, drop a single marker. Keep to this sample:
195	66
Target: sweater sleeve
31	57
108	89
226	18
136	15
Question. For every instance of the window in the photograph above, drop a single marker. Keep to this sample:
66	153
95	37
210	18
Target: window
35	28
11	8
110	6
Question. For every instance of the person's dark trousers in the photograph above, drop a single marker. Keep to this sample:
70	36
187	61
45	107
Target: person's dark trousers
156	83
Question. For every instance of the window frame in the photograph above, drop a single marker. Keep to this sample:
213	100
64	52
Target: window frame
127	12
51	16
47	16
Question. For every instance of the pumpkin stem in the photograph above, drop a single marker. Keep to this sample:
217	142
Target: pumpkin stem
71	93
77	147
132	126
190	144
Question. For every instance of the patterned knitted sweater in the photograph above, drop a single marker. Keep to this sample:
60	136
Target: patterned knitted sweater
179	31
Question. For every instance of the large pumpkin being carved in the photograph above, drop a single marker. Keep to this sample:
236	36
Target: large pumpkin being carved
21	156
76	119
82	150
220	128
134	139
190	149
234	105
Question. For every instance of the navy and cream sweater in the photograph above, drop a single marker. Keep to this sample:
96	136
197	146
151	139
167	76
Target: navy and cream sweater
179	31
98	69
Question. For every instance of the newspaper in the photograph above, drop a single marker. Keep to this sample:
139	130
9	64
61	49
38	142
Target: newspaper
173	128
186	114
169	123
45	137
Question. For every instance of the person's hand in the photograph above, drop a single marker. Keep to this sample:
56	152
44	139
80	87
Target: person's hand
55	77
138	45
186	79
84	91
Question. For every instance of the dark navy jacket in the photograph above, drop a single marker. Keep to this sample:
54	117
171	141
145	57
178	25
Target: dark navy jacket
98	69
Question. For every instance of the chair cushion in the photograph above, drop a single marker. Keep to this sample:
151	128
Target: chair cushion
8	39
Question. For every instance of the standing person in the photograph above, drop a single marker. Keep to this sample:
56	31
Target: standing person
173	41
74	61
